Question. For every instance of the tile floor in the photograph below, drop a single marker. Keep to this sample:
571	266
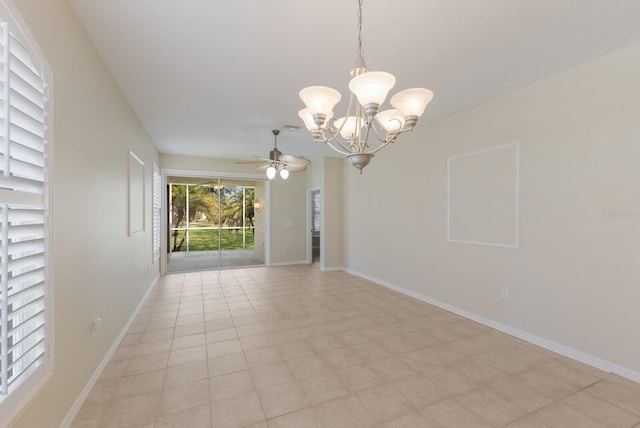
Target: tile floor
297	347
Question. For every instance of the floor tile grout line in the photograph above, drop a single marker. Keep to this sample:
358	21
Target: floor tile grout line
529	366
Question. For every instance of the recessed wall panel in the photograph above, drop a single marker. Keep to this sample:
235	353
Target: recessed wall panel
483	197
136	194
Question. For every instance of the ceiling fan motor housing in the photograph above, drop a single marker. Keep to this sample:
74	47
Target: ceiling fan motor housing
275	154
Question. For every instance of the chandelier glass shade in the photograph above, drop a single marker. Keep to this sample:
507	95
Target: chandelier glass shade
364	129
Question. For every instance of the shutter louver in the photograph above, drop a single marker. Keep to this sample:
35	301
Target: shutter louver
22	215
157	182
315	216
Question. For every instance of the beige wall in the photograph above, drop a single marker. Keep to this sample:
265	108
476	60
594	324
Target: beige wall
331	238
315	172
259	222
574	278
99	271
170	161
287	208
326	174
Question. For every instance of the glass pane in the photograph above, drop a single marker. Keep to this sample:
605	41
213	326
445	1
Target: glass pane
203	239
237	224
214	223
203	206
178	217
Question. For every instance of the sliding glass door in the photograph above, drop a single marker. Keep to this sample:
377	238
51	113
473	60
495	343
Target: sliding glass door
214	223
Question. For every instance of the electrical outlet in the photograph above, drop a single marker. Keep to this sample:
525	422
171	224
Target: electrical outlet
505	293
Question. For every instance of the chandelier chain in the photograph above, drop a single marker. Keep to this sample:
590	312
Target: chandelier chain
359	28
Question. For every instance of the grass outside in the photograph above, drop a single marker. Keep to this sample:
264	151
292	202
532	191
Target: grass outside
207	240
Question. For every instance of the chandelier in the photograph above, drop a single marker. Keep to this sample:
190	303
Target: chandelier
365	129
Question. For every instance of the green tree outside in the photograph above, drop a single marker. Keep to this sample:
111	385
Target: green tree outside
205	203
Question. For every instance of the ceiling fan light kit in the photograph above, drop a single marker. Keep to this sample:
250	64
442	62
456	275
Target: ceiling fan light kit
364	121
279	163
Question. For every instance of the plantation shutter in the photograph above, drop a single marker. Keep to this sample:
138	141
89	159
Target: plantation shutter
22	215
157	181
315	209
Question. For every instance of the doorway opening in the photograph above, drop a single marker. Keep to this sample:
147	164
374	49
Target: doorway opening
214	223
314	198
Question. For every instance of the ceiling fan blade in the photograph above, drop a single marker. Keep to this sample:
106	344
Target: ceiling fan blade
297	164
295	168
251	162
281	161
302	160
294	160
286	158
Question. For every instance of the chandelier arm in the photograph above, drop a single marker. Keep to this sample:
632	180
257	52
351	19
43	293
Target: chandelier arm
363	141
391	138
346	147
339	130
338	150
385	137
382	142
377	132
334	137
382	146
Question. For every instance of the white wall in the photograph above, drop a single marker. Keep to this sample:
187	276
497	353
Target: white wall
99	271
574	278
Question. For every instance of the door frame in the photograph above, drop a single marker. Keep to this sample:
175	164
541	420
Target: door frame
164	219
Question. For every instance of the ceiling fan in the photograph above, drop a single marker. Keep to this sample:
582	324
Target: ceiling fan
279	162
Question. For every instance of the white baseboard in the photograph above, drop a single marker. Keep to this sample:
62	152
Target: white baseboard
332	269
299	262
558	348
77	405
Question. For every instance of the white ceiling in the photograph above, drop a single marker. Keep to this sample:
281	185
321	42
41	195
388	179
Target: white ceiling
213	77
